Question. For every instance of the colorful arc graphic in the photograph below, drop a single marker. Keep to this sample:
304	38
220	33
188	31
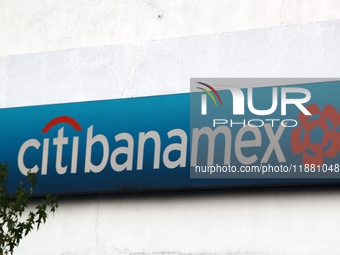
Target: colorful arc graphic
62	119
212	89
208	92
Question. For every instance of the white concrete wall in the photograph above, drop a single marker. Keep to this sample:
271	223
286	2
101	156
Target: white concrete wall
43	25
166	66
262	221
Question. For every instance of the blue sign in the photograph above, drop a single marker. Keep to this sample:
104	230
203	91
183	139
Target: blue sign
144	144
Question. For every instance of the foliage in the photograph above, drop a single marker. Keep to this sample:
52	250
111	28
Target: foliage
13	226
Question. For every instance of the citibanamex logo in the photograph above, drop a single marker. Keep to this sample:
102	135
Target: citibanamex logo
328	112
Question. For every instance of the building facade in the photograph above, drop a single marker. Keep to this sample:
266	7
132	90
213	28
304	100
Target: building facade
73	51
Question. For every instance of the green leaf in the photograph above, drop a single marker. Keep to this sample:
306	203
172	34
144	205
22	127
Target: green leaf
12	227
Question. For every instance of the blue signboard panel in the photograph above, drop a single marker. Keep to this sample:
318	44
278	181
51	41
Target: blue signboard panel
143	144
